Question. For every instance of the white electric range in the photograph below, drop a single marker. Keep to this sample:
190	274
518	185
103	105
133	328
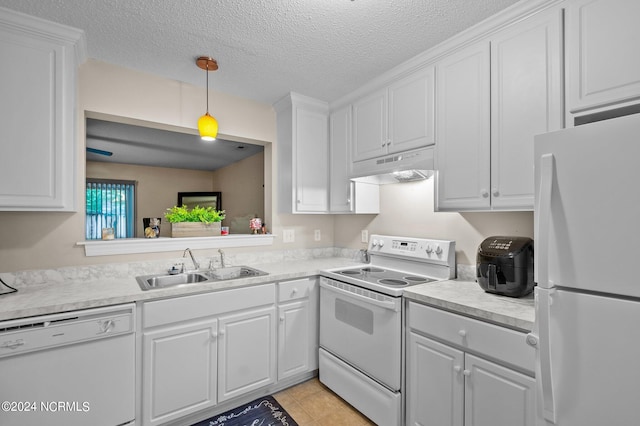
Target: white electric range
361	321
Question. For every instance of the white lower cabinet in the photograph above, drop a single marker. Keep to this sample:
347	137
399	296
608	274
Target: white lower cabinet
206	349
200	350
179	370
298	327
435	391
450	380
247	352
496	395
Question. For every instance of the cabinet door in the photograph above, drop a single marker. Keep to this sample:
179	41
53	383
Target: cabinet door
339	160
603	65
526	100
179	371
311	169
463	134
370	126
435	384
247	352
37	116
411	114
293	339
496	395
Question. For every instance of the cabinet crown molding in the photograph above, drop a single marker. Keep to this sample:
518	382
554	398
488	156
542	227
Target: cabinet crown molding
21	23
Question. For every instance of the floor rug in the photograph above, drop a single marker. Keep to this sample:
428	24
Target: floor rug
263	411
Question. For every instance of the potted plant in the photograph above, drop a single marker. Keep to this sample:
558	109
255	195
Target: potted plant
197	222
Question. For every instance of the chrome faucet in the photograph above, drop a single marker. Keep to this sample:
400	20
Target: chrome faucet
196	265
221	257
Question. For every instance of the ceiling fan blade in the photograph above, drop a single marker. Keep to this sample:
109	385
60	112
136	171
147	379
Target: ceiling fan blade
99	152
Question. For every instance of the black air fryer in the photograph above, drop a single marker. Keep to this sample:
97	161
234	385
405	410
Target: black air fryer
504	266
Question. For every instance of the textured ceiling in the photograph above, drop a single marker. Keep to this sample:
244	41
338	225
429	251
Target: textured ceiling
265	48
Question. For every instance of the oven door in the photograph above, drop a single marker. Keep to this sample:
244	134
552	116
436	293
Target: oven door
363	328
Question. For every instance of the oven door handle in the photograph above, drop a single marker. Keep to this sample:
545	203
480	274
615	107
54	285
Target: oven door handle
386	304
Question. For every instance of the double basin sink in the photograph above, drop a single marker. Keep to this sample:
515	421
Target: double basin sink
158	281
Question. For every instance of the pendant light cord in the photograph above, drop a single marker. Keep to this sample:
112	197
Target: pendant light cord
207	87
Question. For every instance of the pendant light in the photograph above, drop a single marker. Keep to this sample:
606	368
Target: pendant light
207	125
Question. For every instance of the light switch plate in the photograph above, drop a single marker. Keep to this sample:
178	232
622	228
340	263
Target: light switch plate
317	235
364	237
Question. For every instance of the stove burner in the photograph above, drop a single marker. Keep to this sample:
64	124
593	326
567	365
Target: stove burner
391	281
351	272
369	269
415	278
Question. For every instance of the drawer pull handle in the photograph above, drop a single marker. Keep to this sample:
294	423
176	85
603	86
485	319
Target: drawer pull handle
462	333
294	291
457	369
466	373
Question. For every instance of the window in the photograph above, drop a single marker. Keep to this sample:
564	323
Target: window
110	204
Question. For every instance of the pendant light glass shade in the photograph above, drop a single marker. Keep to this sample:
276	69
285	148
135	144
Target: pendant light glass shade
207	125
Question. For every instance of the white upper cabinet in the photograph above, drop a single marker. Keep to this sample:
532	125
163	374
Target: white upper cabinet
303	154
339	142
463	149
493	97
526	100
395	119
37	113
346	196
370	126
603	65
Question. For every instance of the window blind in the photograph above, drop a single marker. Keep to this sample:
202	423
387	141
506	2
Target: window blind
110	204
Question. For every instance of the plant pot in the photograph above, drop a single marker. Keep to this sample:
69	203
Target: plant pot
195	229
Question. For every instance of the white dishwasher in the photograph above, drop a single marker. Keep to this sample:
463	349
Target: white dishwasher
74	368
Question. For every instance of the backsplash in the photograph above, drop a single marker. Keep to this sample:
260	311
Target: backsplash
127	270
132	269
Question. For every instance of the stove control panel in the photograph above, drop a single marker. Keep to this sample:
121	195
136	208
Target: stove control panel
422	249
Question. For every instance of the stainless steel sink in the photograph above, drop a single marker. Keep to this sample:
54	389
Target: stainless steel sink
149	282
157	281
233	272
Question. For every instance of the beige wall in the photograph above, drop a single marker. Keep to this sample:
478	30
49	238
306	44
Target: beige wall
407	210
242	187
32	240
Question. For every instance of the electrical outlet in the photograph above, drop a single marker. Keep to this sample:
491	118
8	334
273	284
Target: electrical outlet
317	235
364	237
288	236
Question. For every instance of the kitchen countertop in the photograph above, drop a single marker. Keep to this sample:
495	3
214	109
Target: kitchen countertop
53	296
49	292
467	298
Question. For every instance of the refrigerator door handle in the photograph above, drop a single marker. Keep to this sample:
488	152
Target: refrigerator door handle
543	218
543	343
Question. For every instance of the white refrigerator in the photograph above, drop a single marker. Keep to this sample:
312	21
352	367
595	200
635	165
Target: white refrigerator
587	248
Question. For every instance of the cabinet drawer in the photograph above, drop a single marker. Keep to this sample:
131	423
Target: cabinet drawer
483	338
296	289
202	305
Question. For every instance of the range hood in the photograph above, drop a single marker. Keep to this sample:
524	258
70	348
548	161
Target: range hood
408	166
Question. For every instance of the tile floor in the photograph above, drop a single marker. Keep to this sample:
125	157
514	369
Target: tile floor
313	404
